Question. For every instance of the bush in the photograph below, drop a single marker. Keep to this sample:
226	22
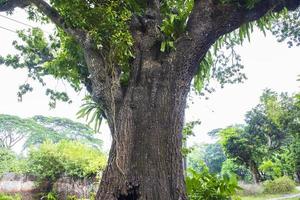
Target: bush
10	162
280	185
70	158
203	185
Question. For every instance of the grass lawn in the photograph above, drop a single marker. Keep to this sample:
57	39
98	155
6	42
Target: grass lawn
269	196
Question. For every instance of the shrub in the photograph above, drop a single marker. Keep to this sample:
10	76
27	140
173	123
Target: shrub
70	158
280	185
10	162
203	185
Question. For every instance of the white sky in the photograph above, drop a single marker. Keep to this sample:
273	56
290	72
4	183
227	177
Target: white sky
268	64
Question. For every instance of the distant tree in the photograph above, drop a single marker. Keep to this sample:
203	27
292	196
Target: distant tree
244	148
214	157
271	130
14	129
62	129
36	130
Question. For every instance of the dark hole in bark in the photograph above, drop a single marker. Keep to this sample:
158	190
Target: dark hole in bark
132	194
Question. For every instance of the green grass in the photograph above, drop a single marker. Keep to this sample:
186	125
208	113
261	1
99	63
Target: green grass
269	196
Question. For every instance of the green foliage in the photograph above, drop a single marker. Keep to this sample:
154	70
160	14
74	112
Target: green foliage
280	185
270	169
214	157
92	112
203	185
175	14
287	28
10	162
269	139
187	132
10	197
230	167
49	161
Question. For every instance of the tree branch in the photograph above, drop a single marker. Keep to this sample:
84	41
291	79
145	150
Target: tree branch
54	16
209	20
10	5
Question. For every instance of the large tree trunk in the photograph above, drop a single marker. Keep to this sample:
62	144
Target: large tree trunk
145	160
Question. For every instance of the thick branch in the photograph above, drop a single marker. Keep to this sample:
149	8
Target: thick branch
209	20
10	5
53	15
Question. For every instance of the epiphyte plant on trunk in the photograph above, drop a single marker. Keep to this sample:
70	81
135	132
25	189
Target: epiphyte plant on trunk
137	59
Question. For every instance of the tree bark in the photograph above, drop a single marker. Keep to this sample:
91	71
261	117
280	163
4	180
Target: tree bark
255	173
145	160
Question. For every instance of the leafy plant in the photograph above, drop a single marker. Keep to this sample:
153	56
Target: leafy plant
280	185
205	186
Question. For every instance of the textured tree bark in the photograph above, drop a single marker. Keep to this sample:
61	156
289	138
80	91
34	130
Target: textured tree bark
145	159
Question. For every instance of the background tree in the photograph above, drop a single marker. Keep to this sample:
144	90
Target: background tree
14	129
245	148
138	59
268	143
36	130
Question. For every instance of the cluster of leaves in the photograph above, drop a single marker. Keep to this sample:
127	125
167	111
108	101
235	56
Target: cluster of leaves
175	13
204	185
74	159
92	112
10	162
58	55
287	28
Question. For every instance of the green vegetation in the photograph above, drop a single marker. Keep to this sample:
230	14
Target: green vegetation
55	147
10	197
141	56
74	159
36	130
280	185
204	185
264	150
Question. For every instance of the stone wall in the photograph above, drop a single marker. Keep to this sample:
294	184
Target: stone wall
26	186
81	188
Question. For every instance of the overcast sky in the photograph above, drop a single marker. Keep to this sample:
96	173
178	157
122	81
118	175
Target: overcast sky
268	64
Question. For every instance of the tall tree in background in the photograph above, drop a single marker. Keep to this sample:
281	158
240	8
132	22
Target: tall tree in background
138	59
38	129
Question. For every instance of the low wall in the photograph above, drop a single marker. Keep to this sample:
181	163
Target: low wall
81	188
12	183
26	186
